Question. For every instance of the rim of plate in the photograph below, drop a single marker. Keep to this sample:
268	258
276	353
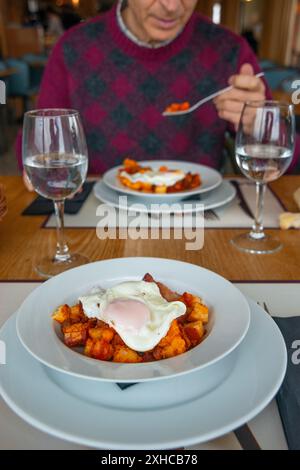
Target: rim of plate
110	179
230	318
192	206
261	319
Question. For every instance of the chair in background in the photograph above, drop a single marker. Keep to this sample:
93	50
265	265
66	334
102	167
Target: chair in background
25	52
277	76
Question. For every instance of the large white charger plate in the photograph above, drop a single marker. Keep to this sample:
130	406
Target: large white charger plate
255	380
220	196
211	179
229	319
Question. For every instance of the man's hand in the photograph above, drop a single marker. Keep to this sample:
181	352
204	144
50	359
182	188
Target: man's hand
247	87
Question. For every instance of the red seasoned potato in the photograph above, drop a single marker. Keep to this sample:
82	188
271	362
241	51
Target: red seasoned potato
195	332
75	334
104	333
99	349
126	355
62	314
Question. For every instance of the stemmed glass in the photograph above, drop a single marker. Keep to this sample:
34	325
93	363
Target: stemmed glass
55	159
264	150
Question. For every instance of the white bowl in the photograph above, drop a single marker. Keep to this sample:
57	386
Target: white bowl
211	179
229	318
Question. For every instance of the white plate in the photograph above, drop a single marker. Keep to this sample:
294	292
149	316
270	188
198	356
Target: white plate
224	194
211	179
255	380
229	321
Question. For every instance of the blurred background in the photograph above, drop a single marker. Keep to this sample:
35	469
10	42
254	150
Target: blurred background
30	28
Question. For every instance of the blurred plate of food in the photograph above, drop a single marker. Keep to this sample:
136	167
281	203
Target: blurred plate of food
171	181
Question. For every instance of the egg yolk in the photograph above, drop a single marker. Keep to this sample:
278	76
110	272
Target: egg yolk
127	314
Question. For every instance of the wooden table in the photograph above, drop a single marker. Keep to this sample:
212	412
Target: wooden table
23	242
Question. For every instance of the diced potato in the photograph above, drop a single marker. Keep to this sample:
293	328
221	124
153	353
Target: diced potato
173	331
195	332
176	347
88	347
129	163
117	340
161	189
135	186
185	337
199	312
126	355
147	187
101	350
62	314
76	334
105	333
76	313
148	356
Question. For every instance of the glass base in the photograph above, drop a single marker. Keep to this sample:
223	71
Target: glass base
257	246
50	267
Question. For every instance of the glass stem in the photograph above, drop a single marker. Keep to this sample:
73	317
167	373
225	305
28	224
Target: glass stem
258	227
62	251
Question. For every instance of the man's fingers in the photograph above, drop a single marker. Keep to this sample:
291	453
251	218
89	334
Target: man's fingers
247	82
247	69
234	118
246	87
240	95
246	79
233	106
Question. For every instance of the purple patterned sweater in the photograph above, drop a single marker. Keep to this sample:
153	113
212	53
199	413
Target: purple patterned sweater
121	89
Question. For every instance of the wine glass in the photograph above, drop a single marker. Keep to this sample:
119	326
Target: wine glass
55	159
264	150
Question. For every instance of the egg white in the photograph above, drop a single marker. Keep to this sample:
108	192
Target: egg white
157	178
162	312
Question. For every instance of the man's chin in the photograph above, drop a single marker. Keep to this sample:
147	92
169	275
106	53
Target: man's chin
163	36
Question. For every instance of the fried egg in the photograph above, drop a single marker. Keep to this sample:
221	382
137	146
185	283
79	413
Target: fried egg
156	178
136	311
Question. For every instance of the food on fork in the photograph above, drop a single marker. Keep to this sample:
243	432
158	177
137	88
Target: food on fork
161	181
136	321
174	107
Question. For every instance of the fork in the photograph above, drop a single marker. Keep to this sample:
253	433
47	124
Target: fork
204	100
